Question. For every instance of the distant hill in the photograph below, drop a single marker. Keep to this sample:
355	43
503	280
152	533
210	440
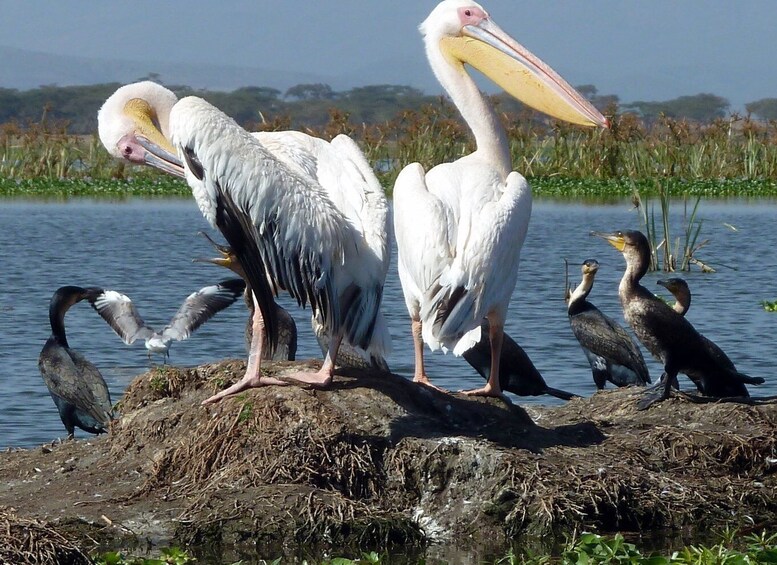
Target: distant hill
22	69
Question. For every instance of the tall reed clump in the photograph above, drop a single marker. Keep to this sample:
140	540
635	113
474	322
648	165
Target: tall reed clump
665	253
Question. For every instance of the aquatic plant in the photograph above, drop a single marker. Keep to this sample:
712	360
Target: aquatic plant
769	306
660	239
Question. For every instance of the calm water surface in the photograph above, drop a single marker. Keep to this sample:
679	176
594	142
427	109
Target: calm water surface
144	249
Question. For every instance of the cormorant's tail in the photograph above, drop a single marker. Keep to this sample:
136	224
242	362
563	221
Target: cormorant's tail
562	394
747	379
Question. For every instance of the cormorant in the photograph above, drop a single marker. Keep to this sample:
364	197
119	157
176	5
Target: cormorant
679	289
666	334
612	353
517	374
199	307
75	384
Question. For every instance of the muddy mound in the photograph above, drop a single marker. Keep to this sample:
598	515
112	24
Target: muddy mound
377	459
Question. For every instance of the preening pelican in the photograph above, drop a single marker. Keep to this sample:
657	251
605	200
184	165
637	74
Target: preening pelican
119	311
666	334
461	225
75	384
301	214
610	350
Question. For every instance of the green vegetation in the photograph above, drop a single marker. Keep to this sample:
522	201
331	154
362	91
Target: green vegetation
586	549
769	306
50	133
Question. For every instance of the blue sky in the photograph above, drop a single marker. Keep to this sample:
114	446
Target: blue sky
637	49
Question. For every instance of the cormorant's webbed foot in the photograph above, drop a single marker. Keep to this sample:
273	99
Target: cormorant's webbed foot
653	396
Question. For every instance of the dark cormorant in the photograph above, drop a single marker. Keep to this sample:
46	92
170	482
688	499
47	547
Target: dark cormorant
679	289
612	353
517	374
75	384
199	307
666	334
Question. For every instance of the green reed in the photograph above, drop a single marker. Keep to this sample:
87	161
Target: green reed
732	156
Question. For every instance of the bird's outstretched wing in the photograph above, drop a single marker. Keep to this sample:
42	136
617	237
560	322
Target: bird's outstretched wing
120	313
201	306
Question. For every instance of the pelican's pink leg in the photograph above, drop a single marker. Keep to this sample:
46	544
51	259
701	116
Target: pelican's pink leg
253	377
323	377
420	376
496	334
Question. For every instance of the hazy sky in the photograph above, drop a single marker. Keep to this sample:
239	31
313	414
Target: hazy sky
652	50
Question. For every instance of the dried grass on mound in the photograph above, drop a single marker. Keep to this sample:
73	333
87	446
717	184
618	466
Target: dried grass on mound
25	541
376	450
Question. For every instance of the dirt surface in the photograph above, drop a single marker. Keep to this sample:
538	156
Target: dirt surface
379	460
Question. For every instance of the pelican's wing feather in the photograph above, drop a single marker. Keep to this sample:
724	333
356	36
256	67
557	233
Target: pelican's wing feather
491	230
201	306
120	313
423	228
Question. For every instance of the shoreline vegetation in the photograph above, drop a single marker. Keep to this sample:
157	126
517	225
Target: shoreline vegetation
729	157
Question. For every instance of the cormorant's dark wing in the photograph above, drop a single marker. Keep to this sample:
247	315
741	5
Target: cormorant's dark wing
71	377
604	337
201	306
120	313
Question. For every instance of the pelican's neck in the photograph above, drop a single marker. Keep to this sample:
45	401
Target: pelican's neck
490	136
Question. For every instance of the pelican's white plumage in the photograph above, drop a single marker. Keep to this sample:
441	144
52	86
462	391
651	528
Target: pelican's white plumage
317	216
460	226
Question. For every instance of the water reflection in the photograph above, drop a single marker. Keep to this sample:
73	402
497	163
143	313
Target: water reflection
144	249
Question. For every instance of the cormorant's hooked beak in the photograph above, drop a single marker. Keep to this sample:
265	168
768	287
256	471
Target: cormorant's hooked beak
663	283
227	258
486	47
147	145
615	239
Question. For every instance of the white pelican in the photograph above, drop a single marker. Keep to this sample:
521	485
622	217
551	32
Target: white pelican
119	311
301	214
75	384
461	225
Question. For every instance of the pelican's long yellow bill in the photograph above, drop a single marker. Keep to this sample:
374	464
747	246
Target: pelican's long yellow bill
160	153
520	73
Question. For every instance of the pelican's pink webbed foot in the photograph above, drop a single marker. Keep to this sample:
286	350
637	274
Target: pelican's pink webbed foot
247	382
323	377
253	377
320	379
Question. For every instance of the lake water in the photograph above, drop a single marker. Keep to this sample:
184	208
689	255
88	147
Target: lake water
144	248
